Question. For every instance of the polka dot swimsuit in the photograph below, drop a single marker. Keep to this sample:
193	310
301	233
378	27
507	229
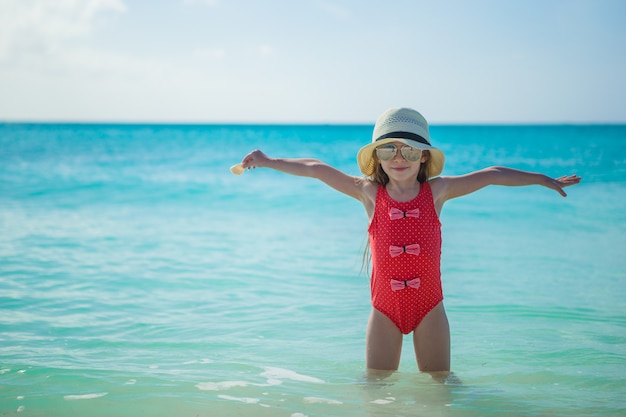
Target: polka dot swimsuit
405	240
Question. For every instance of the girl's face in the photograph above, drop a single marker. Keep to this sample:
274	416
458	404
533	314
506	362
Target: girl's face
399	161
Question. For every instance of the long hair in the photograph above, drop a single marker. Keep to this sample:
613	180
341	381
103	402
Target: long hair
380	177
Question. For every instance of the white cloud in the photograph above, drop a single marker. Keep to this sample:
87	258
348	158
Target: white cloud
41	27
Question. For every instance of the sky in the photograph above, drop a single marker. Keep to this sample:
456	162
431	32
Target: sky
312	61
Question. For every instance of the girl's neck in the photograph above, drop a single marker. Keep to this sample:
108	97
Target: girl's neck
403	191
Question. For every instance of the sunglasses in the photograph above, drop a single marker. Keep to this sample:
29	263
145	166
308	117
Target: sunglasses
387	152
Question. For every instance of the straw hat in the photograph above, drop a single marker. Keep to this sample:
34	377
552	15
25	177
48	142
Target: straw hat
400	125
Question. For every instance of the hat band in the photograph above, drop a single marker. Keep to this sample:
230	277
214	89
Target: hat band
404	135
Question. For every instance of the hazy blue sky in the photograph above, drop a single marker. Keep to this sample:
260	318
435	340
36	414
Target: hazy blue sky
312	60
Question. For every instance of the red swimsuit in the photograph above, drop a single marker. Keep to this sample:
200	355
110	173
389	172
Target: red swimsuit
405	240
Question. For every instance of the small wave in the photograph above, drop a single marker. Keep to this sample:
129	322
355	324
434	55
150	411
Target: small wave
85	396
201	361
278	374
219	386
384	401
240	399
274	376
317	400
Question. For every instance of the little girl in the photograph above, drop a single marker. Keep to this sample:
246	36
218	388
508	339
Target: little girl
403	197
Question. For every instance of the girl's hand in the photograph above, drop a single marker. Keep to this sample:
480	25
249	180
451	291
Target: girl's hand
558	184
255	159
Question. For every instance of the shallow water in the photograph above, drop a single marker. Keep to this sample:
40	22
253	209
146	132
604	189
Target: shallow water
139	277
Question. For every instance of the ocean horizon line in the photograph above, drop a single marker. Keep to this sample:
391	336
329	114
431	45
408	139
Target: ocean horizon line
287	124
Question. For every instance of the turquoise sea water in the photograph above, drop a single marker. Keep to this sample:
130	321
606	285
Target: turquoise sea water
139	277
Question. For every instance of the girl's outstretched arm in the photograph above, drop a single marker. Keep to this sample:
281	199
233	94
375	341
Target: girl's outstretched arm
304	167
452	187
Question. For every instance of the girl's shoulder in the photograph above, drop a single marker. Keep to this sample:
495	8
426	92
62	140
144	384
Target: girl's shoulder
436	184
439	184
369	192
369	187
438	189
